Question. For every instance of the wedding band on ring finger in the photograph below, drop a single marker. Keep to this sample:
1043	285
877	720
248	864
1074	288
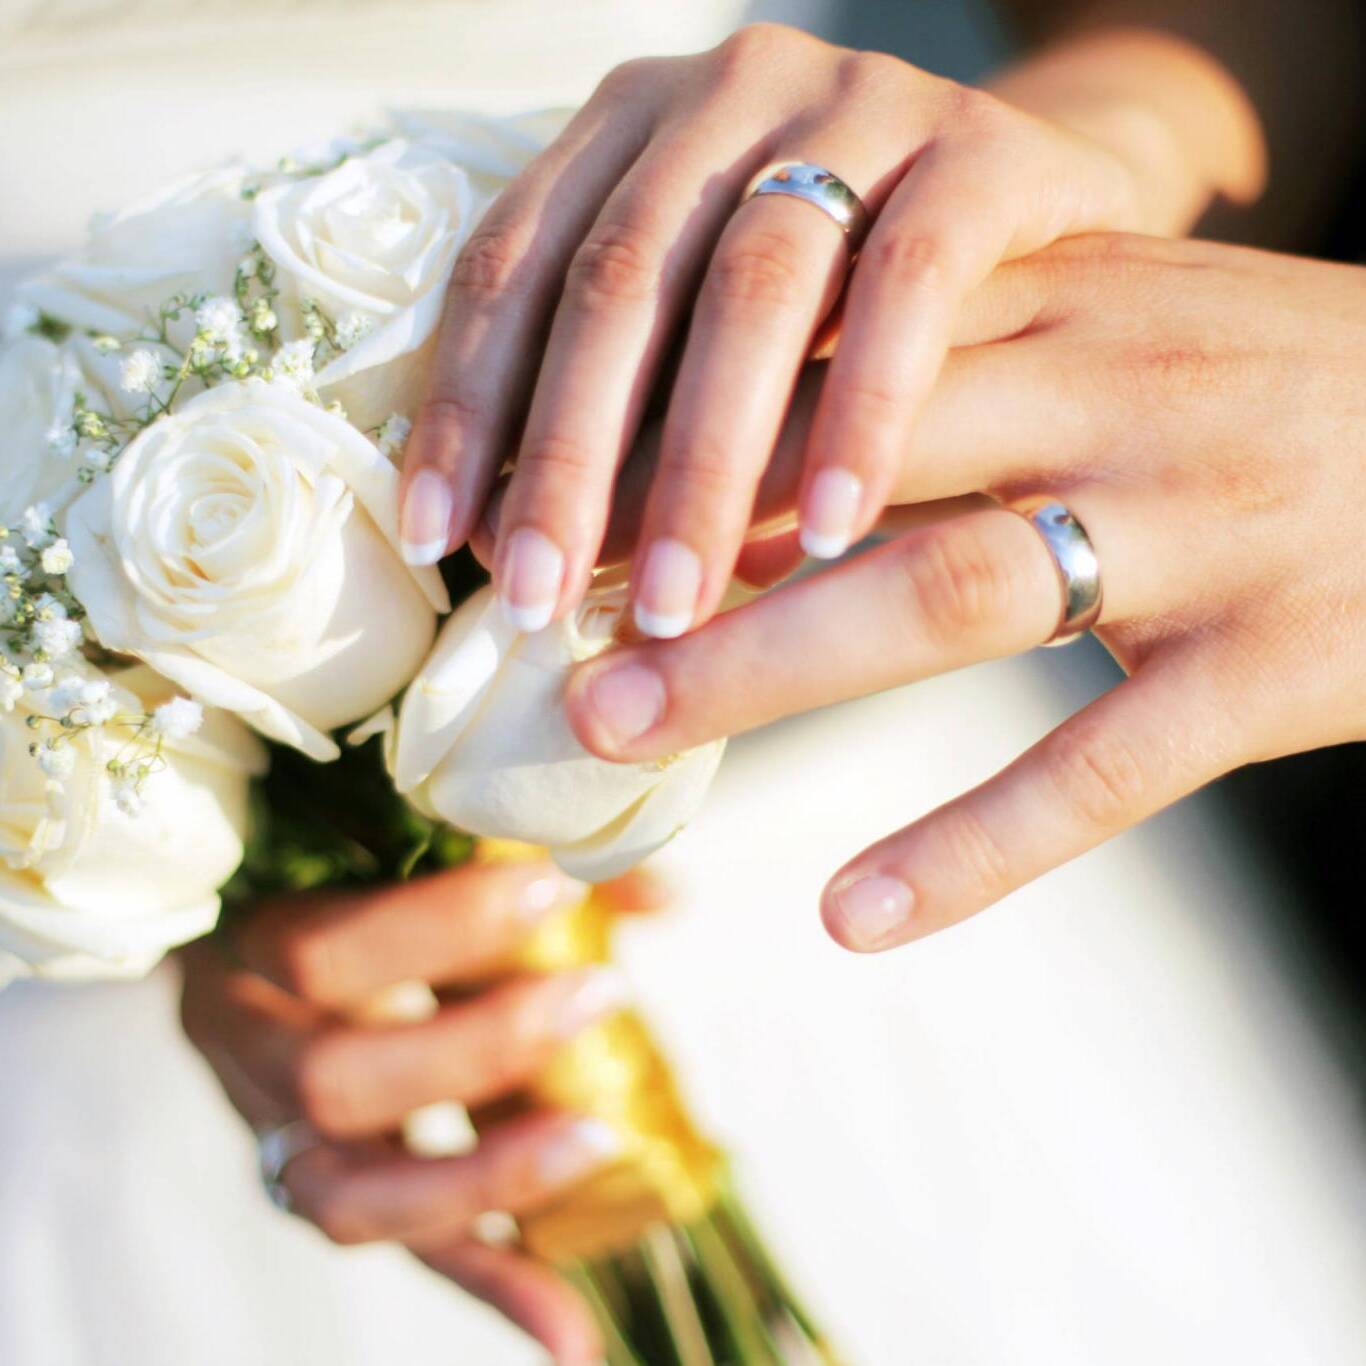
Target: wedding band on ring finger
1074	558
819	187
278	1146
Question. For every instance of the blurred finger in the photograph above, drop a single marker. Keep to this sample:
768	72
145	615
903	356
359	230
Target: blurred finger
337	949
367	1194
353	1081
527	1292
1147	743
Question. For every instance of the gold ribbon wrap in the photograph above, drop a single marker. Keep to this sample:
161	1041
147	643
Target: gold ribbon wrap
613	1070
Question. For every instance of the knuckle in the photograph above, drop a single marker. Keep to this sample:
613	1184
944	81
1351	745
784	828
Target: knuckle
956	584
760	268
703	464
619	263
757	45
446	411
862	74
1099	776
491	264
976	854
558	457
978	113
629	79
321	1086
910	263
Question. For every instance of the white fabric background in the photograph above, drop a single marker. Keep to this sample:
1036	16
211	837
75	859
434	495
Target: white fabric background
1092	1126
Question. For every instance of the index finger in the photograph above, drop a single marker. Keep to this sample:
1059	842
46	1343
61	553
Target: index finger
338	949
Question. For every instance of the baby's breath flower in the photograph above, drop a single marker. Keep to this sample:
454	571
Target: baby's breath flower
105	344
263	318
352	328
57	558
91	425
96	458
127	797
56	759
218	319
61	438
37	676
292	365
66	693
94	704
57	637
140	373
10	563
177	719
36	526
393	434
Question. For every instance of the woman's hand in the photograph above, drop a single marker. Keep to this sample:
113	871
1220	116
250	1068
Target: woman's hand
629	228
1202	411
284	1033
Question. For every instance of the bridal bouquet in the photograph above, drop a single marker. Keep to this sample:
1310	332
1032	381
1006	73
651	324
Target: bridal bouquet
216	668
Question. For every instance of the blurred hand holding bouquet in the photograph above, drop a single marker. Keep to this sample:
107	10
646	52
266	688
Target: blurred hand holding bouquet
199	547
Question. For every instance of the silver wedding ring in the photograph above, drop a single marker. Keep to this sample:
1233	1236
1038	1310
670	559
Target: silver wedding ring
1074	558
276	1148
815	185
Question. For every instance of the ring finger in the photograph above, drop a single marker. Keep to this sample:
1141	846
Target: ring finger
776	272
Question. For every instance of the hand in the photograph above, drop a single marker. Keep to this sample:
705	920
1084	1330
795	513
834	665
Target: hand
1200	409
284	1034
630	220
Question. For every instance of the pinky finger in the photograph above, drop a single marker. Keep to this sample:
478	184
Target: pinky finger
1151	741
529	1293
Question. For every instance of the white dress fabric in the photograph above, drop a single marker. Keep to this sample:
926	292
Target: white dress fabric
1092	1126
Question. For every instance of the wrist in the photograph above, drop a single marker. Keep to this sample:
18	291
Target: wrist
1164	108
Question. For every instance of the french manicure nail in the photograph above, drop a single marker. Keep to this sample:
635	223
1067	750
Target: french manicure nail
533	572
582	1148
425	526
830	512
550	892
628	700
598	992
666	594
873	910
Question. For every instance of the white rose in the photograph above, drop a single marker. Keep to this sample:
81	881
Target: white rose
37	388
86	891
185	239
372	243
246	547
483	742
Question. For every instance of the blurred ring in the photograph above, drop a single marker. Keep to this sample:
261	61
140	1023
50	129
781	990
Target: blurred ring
815	185
1074	558
276	1148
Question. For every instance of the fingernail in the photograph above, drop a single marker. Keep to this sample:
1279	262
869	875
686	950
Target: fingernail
873	910
598	992
829	513
425	526
666	593
550	892
533	570
627	700
581	1148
